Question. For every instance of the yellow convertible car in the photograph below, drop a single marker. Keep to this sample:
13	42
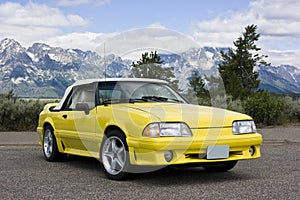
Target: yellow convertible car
131	124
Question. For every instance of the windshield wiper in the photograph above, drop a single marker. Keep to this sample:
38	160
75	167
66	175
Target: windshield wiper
134	100
143	99
160	99
154	98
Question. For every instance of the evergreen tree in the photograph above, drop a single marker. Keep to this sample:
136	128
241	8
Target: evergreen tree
237	68
198	86
149	66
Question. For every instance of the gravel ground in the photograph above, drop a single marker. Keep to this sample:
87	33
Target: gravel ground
287	134
26	175
19	138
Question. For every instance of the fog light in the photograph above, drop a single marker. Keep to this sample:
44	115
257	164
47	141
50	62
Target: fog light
168	156
251	151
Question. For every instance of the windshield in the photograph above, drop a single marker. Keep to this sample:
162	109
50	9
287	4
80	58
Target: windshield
136	92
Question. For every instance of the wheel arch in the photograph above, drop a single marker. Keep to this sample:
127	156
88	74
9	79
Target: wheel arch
48	122
113	127
59	142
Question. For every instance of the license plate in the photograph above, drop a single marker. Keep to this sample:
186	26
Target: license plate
217	152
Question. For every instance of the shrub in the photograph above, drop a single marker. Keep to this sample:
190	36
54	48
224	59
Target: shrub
295	114
236	105
292	109
19	114
265	108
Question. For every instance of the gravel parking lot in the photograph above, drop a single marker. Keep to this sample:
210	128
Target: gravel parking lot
26	175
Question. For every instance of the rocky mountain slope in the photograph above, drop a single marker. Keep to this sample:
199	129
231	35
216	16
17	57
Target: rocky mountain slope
43	71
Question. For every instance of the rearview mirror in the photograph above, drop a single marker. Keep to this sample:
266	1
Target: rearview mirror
83	107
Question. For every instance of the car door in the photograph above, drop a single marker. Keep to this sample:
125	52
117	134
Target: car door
76	125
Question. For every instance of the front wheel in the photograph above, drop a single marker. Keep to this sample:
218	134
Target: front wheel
114	156
50	149
220	167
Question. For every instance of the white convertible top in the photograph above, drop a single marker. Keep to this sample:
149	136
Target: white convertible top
88	81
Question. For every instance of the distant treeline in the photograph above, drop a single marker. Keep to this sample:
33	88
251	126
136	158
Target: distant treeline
295	97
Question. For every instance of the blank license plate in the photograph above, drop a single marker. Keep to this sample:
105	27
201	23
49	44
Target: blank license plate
217	152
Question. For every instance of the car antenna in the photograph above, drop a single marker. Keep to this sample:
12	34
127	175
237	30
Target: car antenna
104	61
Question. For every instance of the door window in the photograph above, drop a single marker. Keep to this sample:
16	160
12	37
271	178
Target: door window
82	94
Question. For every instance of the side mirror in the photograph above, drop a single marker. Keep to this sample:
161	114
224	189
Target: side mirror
83	107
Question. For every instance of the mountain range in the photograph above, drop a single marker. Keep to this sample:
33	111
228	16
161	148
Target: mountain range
43	71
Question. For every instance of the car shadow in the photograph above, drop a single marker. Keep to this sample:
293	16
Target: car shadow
172	175
186	175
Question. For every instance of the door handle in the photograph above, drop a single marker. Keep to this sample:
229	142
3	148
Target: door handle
65	116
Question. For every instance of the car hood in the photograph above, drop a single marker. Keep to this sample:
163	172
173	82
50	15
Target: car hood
195	116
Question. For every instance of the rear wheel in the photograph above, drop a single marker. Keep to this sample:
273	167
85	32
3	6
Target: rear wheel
114	156
50	149
220	167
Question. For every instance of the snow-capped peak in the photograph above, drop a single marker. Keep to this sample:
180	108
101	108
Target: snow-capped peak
11	45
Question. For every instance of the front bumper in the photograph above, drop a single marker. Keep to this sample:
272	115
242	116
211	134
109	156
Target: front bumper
151	151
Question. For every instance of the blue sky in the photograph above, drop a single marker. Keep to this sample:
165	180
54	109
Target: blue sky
121	15
217	23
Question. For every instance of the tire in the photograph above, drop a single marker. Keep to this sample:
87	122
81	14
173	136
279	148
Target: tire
220	167
50	149
114	156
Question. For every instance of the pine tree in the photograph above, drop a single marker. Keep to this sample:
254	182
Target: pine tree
237	68
197	84
149	66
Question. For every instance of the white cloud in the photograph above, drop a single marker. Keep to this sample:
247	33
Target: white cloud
84	41
284	57
278	22
32	22
128	44
156	25
277	9
82	2
28	34
76	20
37	15
72	2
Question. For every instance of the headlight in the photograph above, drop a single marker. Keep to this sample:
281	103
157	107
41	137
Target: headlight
167	129
241	127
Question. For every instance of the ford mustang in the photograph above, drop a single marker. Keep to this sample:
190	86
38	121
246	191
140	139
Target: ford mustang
129	124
